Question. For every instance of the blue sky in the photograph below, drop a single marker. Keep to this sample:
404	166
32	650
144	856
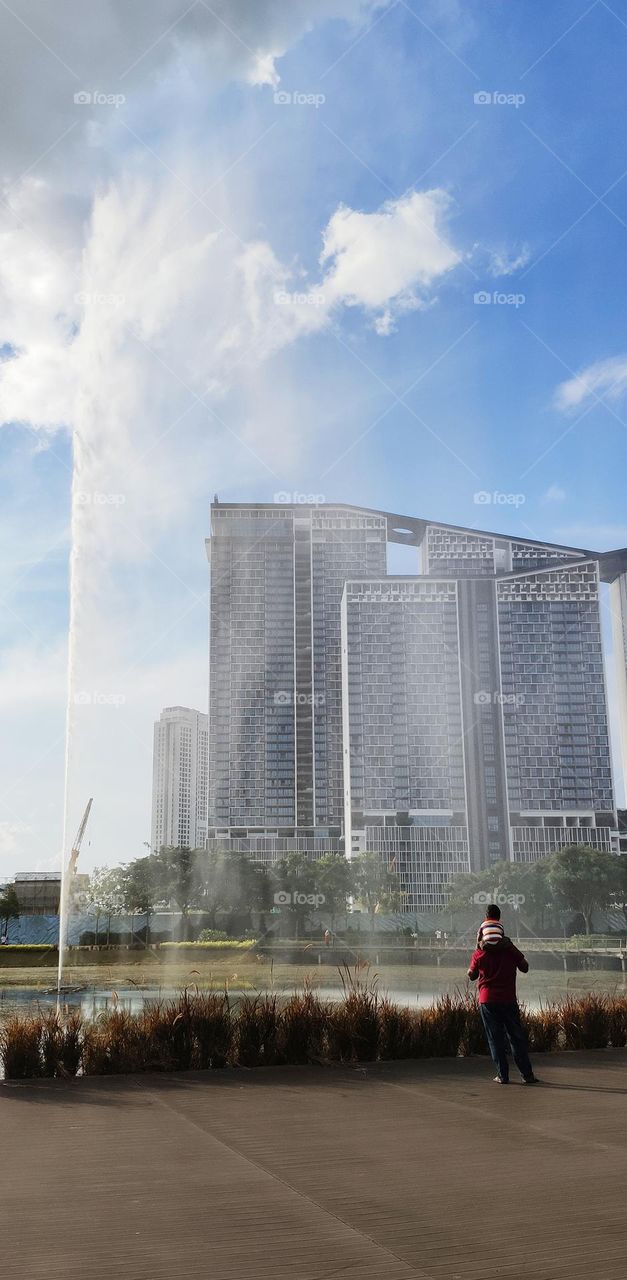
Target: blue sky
145	245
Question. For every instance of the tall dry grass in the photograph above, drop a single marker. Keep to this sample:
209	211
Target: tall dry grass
200	1031
41	1044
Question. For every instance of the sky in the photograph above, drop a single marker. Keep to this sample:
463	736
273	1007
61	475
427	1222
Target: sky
368	251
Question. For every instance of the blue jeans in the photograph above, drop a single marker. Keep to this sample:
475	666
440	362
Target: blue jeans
501	1022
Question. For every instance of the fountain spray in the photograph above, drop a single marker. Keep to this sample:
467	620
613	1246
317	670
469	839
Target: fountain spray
67	874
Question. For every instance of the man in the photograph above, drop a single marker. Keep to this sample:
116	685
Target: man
496	967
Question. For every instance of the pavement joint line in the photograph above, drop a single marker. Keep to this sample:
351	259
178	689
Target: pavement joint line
348	1226
549	1135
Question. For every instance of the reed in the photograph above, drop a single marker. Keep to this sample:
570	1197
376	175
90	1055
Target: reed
586	1022
207	1031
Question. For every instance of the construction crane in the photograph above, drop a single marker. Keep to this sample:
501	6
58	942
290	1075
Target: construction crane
78	840
67	876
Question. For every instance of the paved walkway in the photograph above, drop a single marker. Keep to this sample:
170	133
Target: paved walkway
392	1172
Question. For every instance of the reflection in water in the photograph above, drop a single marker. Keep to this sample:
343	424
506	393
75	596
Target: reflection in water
412	988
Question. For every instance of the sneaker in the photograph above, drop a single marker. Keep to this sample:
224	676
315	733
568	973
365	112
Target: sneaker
500	1080
530	1080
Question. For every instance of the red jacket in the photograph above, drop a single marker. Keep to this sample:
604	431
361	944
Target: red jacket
496	970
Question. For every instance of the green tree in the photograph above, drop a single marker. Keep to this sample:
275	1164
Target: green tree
103	895
585	879
235	885
526	881
9	907
376	885
181	878
141	888
333	874
293	886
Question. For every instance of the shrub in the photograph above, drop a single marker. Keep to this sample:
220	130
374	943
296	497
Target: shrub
42	1044
257	1031
473	1037
213	935
71	1052
51	1040
617	1016
353	1027
303	1026
212	1029
441	1028
20	1047
231	944
113	1044
586	1022
165	1035
543	1027
398	1029
202	1030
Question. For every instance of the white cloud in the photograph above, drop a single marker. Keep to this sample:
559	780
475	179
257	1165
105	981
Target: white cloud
135	316
504	262
604	378
388	261
554	493
120	48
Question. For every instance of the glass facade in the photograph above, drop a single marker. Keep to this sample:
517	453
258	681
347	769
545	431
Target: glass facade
446	720
556	726
277	576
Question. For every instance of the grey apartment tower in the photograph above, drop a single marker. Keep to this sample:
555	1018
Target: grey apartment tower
446	720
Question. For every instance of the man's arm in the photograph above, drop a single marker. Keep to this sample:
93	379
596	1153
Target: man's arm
473	968
521	962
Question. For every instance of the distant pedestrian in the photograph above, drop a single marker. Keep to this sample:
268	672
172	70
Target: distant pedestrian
496	968
327	937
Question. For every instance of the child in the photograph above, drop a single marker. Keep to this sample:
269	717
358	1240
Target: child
491	931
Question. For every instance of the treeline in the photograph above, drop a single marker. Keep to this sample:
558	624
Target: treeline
564	889
227	887
576	881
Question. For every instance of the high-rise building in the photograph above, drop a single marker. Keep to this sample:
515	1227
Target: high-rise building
277	577
405	789
447	720
179	779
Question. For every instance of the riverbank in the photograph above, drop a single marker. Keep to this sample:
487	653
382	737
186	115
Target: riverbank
205	1030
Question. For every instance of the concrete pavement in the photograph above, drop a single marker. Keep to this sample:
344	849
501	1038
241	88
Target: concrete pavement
423	1169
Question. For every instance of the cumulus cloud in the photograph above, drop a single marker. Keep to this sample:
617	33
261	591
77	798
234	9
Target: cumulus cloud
132	313
387	261
602	379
